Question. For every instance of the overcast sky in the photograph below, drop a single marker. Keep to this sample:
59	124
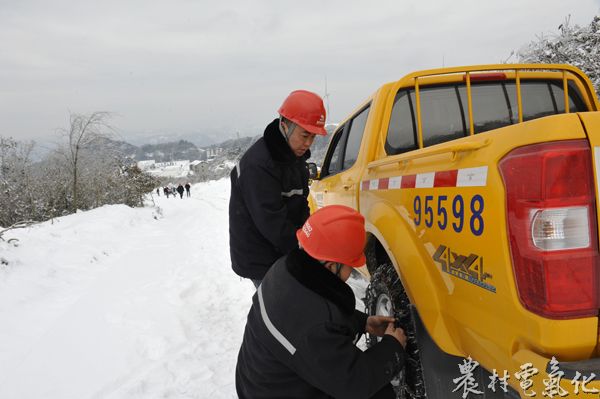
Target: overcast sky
186	66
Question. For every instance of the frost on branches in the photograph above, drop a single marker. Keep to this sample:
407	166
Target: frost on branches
574	45
83	173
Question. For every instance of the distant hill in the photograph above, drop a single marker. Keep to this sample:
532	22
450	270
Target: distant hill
218	158
228	150
171	151
200	139
106	145
164	152
234	149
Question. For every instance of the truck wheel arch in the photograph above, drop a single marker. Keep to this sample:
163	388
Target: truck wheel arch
419	277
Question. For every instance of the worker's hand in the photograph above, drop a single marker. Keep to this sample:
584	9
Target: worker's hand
376	325
397	333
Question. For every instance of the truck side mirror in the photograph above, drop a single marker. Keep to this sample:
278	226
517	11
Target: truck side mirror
313	171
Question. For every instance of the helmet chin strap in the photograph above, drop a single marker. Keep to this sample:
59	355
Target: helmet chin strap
290	127
338	269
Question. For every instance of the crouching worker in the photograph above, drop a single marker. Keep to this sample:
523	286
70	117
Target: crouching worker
301	331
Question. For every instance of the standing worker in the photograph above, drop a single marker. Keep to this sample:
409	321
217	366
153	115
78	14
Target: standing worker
187	189
269	187
300	335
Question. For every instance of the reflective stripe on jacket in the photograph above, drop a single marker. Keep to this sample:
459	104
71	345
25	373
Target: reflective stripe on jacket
299	338
268	203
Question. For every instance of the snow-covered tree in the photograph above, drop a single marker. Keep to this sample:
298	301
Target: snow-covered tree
574	45
85	173
16	196
52	185
135	183
83	131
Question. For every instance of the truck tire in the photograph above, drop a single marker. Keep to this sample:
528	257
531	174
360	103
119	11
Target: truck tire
386	296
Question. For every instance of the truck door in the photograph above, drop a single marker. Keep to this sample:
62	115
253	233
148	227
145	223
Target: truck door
340	174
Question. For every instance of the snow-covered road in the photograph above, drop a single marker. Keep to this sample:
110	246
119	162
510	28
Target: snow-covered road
123	303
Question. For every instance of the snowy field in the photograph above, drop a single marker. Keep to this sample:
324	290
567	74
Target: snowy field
123	303
175	169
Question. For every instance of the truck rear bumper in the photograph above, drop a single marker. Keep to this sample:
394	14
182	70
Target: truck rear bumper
585	367
567	373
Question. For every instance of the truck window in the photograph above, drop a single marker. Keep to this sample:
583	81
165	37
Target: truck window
345	144
355	134
538	100
442	116
492	106
444	110
543	98
495	103
402	133
332	164
576	103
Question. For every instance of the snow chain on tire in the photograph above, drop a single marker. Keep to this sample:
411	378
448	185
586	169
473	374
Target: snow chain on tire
410	383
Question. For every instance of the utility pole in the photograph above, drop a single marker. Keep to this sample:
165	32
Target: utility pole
326	97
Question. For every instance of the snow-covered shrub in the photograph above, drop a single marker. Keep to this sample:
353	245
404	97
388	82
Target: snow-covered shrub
17	197
42	190
574	45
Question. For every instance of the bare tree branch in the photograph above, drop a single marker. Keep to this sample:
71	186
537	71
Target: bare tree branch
18	225
83	131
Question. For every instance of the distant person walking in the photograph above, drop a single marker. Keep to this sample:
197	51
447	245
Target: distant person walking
158	191
187	189
269	187
167	191
180	190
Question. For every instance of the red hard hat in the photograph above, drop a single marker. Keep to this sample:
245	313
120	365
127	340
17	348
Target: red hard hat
335	233
305	109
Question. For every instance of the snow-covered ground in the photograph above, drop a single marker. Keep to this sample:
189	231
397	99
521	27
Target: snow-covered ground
175	169
123	303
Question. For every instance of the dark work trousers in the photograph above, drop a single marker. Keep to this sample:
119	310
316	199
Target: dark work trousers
387	392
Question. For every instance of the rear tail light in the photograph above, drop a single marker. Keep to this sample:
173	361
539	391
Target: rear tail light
552	225
561	228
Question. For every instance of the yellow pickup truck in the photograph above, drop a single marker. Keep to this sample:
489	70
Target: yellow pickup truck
479	185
